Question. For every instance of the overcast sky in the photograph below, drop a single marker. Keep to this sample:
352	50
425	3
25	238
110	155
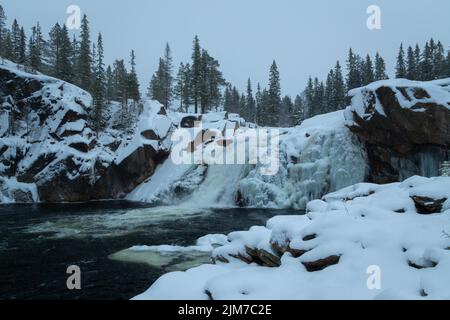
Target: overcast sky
305	37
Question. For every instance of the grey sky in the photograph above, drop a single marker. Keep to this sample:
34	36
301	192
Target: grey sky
305	37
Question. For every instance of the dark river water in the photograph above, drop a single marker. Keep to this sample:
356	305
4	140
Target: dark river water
39	242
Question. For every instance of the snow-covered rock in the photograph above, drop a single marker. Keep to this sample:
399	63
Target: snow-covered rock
405	125
47	143
365	241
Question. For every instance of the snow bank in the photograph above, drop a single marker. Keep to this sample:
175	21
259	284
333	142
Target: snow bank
363	242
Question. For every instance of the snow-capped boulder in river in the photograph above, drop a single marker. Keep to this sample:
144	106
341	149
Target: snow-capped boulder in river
49	151
405	124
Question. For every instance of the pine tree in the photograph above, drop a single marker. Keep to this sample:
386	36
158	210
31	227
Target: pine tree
156	88
250	103
353	68
329	103
183	87
274	103
211	82
2	30
411	67
439	62
8	48
400	71
309	99
448	64
98	86
22	58
196	73
133	82
426	64
380	68
59	53
417	62
168	77
84	63
299	114
258	101
368	75
109	91
35	48
339	93
15	38
287	112
445	169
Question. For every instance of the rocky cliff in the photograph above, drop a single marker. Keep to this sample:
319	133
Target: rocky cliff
49	151
405	126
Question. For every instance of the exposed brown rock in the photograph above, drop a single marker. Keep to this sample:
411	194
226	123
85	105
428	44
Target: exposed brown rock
402	133
318	265
425	205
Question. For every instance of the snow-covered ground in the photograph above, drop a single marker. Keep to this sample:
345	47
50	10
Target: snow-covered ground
365	241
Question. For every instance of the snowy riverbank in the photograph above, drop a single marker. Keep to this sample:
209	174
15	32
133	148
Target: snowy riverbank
342	249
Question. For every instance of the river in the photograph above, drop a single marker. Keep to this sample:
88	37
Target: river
39	242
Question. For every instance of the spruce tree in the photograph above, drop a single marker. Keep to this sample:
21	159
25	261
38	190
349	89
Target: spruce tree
84	63
439	62
98	86
400	70
339	93
309	99
354	72
180	83
426	64
15	39
329	103
168	77
109	84
22	58
380	68
35	48
299	114
274	106
156	88
368	75
417	62
133	82
411	67
2	30
196	73
8	48
250	103
258	101
287	112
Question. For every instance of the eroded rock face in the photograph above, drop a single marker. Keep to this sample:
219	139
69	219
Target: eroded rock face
46	141
405	125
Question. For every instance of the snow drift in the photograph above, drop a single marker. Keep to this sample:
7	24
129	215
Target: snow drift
341	249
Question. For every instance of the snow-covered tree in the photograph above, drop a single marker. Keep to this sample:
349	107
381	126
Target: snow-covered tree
400	70
445	169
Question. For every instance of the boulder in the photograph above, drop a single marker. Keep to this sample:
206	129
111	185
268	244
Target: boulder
318	265
425	205
405	125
